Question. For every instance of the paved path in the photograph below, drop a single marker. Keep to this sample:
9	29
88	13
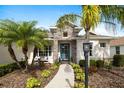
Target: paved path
63	79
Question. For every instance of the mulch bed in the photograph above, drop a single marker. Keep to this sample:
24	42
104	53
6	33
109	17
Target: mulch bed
17	79
104	78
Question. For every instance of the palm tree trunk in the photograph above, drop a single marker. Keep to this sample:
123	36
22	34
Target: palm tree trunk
35	52
12	54
25	50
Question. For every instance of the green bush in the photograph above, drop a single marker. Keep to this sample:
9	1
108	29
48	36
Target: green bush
82	63
57	63
93	63
53	67
33	82
100	63
75	66
45	73
79	76
7	68
118	60
78	70
78	85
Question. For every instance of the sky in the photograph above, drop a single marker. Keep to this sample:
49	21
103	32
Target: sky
47	15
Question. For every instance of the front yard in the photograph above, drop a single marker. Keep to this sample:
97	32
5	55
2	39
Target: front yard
107	79
18	79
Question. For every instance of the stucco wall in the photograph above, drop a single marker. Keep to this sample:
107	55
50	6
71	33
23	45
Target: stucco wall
97	51
5	56
113	50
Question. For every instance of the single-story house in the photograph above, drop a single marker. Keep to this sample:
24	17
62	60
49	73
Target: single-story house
67	45
117	46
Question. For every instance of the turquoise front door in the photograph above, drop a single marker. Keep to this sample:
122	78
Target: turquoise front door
65	51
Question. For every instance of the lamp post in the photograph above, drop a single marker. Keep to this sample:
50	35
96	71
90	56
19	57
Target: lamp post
86	48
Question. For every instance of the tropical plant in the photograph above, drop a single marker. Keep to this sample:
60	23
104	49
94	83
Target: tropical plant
33	82
92	15
7	33
23	34
45	73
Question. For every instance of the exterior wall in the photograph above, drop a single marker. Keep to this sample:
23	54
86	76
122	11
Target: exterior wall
5	56
113	50
97	51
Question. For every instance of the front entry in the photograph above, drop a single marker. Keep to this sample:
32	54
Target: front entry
65	51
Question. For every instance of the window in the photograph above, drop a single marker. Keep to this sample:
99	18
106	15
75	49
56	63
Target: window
102	44
65	34
117	49
46	51
90	50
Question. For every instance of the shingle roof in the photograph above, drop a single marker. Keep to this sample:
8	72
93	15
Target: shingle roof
117	41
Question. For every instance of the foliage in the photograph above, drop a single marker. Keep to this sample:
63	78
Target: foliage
45	73
33	82
53	67
82	63
78	70
7	68
118	60
79	85
79	76
92	15
100	63
56	63
93	63
75	66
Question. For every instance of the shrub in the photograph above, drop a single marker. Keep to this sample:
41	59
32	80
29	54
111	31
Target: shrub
79	76
45	73
93	63
57	63
78	85
78	70
100	63
118	60
7	68
32	83
81	63
75	66
53	67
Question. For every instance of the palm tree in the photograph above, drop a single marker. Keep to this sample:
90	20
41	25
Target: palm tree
23	34
7	31
29	35
90	17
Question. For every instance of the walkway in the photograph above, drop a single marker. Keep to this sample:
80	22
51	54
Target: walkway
63	79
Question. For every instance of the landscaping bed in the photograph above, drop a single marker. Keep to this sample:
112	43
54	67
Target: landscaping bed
17	79
104	78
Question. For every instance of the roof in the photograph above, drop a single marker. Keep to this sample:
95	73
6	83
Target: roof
117	41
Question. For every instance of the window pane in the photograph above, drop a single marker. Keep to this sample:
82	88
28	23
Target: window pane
102	44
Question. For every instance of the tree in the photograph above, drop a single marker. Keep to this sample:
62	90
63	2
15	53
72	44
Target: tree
90	17
29	35
23	34
7	33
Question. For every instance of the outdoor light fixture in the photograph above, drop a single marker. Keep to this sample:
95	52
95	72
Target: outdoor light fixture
86	49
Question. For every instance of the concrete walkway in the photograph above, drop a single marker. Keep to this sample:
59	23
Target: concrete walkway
63	79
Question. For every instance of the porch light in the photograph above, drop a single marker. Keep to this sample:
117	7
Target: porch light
86	49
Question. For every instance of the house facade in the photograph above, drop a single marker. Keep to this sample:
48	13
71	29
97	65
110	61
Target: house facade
117	46
68	45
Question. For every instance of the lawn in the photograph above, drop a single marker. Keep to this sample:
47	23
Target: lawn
18	79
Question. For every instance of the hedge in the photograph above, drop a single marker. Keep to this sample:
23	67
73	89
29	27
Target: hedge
118	60
7	68
96	63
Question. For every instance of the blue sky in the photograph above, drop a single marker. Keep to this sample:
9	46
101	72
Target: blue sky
45	15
